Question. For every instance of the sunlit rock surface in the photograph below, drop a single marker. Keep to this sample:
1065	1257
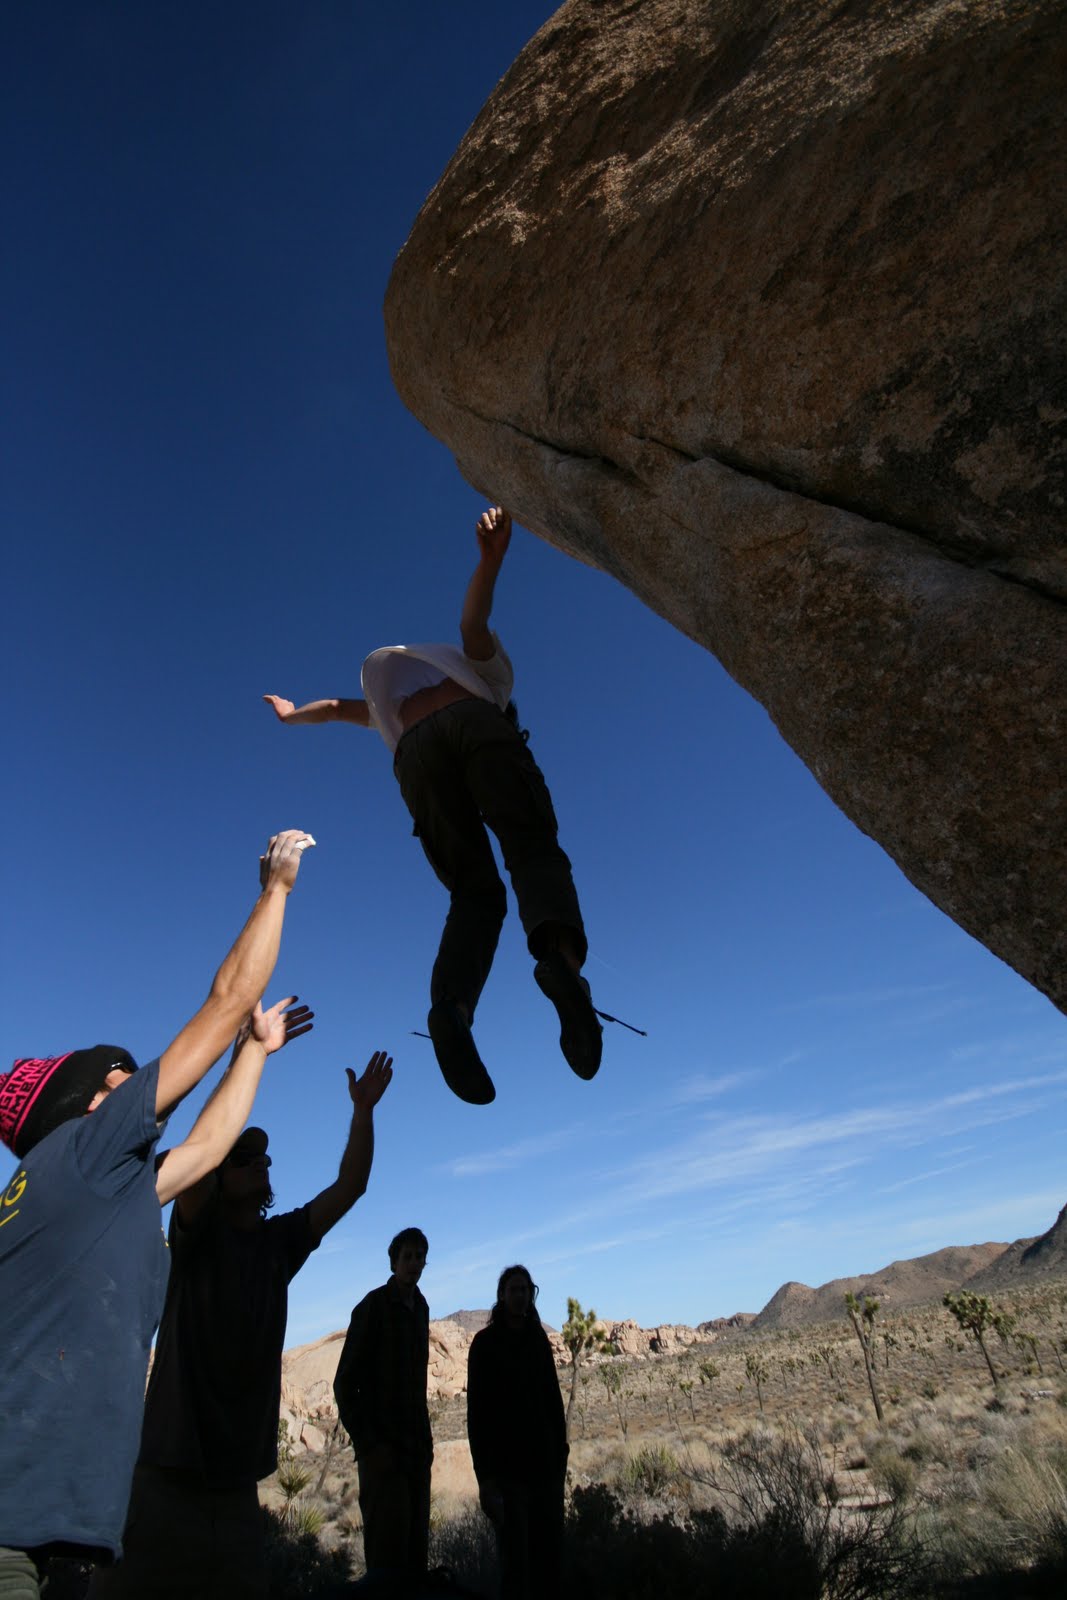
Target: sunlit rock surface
760	308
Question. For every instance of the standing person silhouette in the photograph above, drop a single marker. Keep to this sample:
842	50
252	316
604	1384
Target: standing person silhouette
518	1439
463	765
380	1390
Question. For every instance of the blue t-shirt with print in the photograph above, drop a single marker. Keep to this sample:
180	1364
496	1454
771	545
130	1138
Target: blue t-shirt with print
83	1273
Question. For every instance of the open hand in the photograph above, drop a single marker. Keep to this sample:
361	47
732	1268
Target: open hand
368	1090
275	1028
494	534
283	709
281	861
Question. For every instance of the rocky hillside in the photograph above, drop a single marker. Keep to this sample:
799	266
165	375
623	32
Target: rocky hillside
1027	1262
740	1319
902	1283
760	308
469	1321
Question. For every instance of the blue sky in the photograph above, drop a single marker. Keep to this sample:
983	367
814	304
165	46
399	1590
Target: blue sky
210	491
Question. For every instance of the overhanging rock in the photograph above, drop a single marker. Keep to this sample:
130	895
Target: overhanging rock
760	308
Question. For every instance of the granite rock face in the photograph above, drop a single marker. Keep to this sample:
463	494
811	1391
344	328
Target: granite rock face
759	307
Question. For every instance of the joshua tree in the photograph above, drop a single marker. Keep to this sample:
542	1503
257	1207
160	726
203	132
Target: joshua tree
582	1333
336	1439
975	1315
670	1379
707	1372
824	1353
581	1402
756	1368
618	1393
1028	1341
862	1313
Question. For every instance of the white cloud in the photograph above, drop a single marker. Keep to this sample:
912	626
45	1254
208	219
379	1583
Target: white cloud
772	1173
702	1087
923	1177
867	999
513	1155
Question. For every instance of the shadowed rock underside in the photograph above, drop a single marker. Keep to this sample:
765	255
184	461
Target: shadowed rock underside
759	308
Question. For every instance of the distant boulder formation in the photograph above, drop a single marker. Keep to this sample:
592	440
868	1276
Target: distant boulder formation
759	307
630	1340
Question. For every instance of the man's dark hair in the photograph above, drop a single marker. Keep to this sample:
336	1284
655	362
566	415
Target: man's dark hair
407	1236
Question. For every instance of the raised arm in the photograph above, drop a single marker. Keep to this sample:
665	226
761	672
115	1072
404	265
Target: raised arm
320	711
493	531
188	1170
330	1206
239	982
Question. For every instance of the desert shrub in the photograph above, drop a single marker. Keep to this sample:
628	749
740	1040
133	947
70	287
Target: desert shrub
610	1550
301	1568
293	1478
938	1441
774	1534
1006	1525
1027	1494
466	1546
304	1516
894	1472
651	1471
775	1490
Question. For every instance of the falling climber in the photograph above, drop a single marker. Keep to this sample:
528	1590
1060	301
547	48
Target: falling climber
463	765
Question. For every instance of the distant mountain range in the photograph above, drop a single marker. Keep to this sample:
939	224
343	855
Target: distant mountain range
985	1268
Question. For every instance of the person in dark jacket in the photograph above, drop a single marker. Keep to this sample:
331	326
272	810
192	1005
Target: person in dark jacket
380	1389
518	1439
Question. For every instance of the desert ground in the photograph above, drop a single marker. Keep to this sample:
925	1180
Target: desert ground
961	1488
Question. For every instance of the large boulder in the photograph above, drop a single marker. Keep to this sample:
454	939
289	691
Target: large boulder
759	307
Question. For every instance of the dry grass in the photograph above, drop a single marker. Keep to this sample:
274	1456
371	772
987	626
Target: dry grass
959	1484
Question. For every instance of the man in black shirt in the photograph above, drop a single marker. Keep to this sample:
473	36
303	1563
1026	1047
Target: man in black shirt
211	1412
380	1390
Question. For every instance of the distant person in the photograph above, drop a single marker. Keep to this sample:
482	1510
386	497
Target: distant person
518	1439
462	765
380	1389
211	1413
83	1261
